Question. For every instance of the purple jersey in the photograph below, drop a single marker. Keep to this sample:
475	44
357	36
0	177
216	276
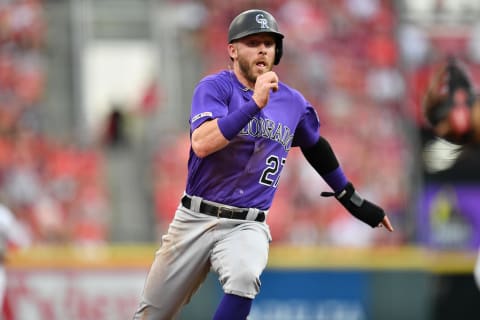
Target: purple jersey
245	173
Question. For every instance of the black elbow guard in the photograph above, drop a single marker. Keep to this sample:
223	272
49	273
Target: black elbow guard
321	157
360	208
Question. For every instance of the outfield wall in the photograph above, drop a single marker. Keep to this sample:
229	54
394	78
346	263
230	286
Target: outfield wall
300	283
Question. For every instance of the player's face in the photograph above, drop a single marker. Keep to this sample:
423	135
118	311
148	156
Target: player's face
254	55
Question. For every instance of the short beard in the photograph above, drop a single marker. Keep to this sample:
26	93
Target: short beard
246	70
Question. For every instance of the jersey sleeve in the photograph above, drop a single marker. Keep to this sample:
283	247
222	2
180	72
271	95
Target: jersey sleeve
307	132
209	101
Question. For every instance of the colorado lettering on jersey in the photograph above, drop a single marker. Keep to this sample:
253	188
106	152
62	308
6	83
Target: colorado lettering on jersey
267	128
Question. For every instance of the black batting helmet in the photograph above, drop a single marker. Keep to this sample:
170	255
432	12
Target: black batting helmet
256	21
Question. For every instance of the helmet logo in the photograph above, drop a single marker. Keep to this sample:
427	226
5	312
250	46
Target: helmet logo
262	21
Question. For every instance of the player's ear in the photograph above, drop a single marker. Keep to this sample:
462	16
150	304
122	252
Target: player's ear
232	51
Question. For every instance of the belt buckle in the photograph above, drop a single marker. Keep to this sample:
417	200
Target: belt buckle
226	212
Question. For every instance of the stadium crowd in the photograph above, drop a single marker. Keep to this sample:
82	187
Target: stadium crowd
54	186
359	64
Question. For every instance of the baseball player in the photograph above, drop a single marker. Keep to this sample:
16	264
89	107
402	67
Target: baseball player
243	123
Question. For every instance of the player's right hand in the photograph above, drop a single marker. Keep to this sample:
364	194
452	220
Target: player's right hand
265	82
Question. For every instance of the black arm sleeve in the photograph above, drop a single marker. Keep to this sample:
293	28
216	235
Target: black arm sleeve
321	157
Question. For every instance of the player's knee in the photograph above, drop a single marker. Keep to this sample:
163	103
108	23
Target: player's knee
245	276
243	282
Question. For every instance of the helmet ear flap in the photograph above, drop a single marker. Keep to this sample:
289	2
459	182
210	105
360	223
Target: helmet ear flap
278	51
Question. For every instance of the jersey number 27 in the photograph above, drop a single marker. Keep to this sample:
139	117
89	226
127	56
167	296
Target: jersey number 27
271	173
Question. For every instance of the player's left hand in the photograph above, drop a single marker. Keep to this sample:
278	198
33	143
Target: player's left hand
360	208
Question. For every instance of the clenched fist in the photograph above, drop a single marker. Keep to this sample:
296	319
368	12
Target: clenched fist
265	82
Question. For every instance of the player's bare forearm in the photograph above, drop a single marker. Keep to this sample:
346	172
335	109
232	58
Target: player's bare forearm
208	139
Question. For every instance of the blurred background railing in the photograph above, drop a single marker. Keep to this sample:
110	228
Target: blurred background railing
95	98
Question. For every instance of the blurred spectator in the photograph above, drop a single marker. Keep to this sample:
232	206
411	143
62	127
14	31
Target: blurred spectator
414	44
22	183
169	176
385	85
13	236
474	44
115	134
304	21
363	9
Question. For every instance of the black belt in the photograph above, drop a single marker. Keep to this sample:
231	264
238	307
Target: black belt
222	212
